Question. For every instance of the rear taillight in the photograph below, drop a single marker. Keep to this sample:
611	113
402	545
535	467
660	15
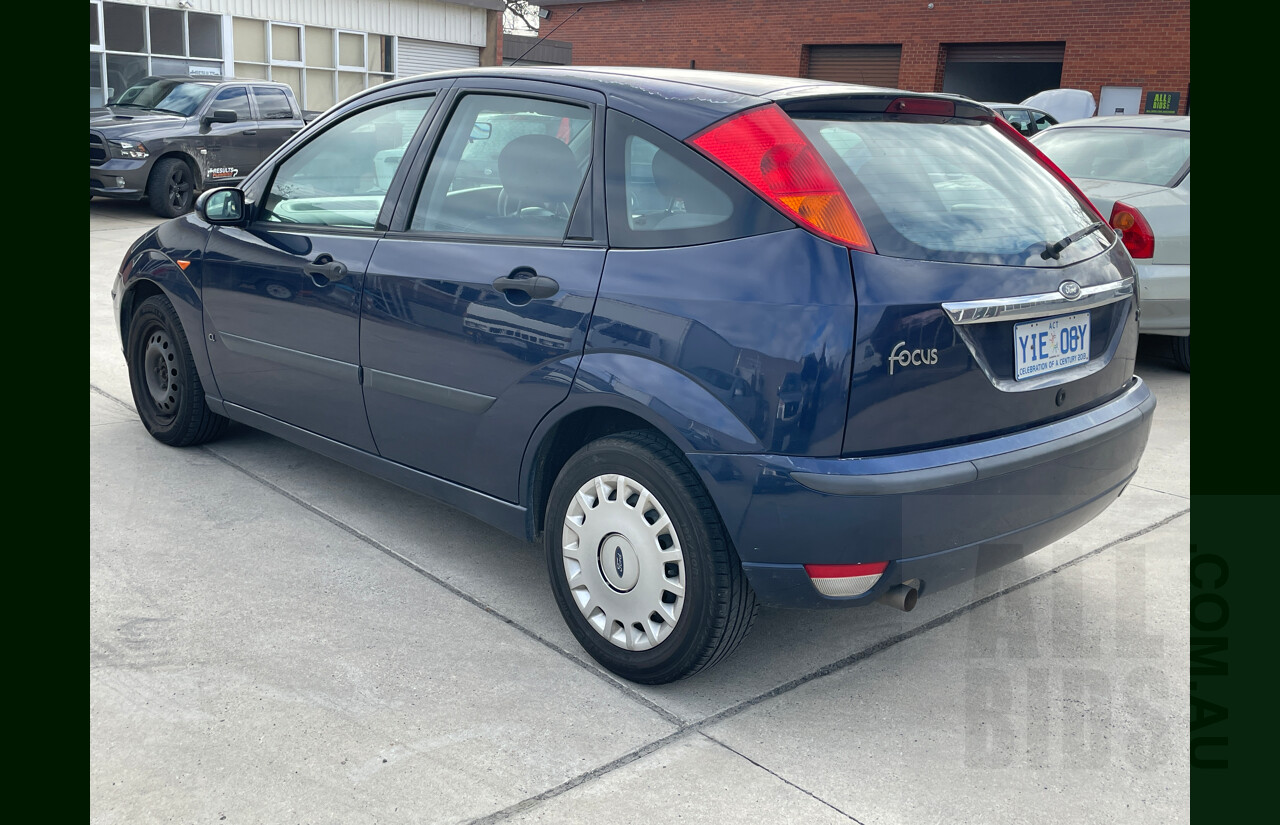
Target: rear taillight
1030	148
1135	232
765	150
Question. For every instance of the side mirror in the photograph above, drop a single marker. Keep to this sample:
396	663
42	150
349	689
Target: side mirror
224	205
481	131
220	116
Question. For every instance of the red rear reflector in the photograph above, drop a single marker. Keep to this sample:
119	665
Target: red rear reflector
843	571
765	150
1027	146
183	264
922	106
1136	234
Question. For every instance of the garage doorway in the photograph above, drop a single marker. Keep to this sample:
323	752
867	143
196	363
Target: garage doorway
1002	72
868	65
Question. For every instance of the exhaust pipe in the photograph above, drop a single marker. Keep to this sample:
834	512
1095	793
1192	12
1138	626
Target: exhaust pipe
902	596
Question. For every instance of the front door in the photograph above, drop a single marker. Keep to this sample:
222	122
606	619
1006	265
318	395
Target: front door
231	148
282	294
477	302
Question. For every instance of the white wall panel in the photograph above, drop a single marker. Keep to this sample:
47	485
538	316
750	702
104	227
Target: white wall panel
420	19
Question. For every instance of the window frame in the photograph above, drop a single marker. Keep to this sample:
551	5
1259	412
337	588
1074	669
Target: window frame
760	218
254	88
207	107
260	181
586	227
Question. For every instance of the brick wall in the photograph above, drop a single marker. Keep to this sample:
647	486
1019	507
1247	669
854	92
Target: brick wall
1143	43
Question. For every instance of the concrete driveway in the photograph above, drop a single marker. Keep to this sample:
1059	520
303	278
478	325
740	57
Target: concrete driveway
276	638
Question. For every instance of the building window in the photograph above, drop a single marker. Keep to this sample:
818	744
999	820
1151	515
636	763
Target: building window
167	36
148	40
322	65
126	27
204	33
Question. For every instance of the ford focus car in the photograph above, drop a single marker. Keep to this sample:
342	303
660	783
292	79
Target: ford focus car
714	340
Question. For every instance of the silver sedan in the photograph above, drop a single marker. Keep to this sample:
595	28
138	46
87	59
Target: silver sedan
1137	170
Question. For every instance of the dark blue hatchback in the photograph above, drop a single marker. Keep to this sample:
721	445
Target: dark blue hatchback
716	340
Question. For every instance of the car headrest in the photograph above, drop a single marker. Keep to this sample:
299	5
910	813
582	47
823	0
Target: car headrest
539	169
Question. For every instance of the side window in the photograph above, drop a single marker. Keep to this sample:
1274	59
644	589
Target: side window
1042	121
273	104
234	98
1021	119
661	193
341	176
506	166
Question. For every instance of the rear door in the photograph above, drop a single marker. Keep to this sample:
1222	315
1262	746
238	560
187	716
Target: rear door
282	294
278	119
477	302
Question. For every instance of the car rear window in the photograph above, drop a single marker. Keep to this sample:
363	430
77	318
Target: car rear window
950	189
1155	156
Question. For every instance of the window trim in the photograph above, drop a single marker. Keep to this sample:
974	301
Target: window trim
264	176
421	164
765	218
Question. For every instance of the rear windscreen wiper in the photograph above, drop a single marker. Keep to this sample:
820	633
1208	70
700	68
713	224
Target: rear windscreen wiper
1054	250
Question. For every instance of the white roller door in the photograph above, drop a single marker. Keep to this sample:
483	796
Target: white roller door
421	56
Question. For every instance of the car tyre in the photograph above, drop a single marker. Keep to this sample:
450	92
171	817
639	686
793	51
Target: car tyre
162	374
1182	352
640	563
171	189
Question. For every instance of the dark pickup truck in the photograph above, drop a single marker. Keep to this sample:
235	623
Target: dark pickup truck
165	138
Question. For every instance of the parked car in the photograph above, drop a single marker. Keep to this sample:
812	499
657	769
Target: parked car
1026	120
1137	170
164	138
715	340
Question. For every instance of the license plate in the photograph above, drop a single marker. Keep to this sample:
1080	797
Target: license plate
1041	347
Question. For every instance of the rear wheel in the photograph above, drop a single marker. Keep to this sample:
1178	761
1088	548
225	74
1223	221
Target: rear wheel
640	564
171	189
1182	352
162	374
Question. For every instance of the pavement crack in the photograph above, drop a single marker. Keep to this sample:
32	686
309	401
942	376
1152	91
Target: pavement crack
1163	492
96	389
781	778
582	778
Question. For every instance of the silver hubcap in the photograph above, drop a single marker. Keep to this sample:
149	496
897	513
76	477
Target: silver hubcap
623	562
160	366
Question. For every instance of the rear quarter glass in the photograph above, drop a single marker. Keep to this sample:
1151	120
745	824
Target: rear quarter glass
950	189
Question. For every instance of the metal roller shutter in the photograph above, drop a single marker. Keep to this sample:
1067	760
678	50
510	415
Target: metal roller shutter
1005	52
868	65
421	56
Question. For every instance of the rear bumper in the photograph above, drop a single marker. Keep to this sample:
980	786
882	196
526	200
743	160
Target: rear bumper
1165	298
940	516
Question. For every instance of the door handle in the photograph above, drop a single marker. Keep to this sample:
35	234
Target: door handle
254	132
325	270
525	280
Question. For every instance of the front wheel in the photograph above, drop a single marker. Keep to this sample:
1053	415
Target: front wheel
642	569
162	374
171	189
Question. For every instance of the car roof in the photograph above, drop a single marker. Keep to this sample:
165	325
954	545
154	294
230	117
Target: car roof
1175	122
678	101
